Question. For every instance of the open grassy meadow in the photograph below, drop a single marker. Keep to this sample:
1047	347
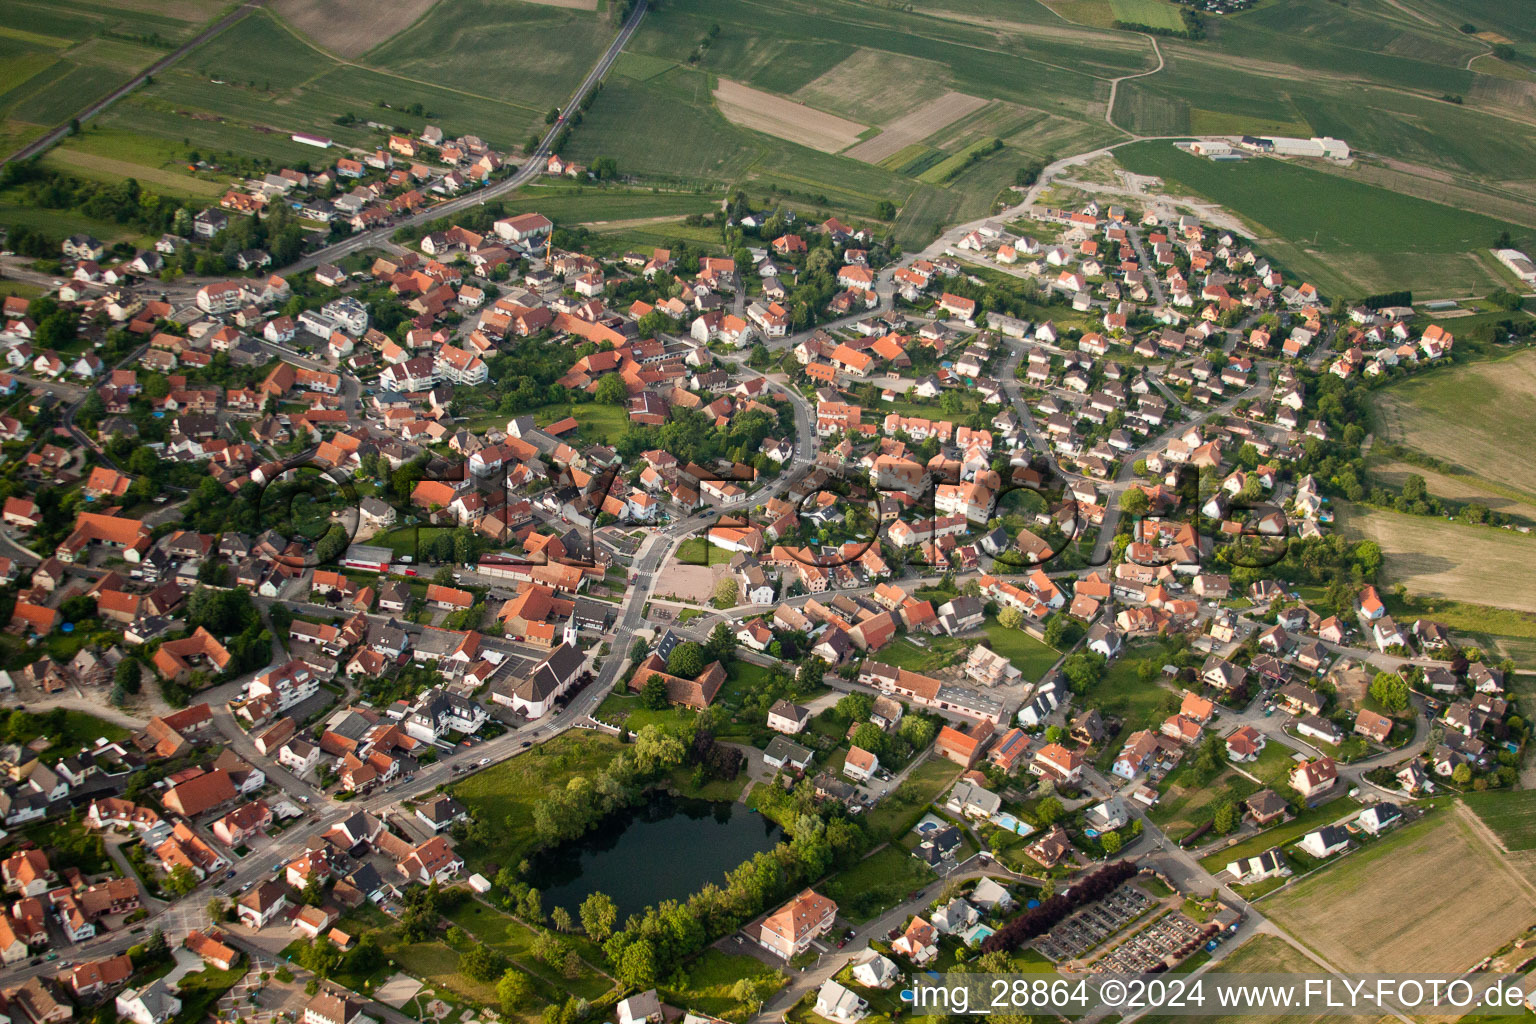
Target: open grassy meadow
1437	558
1479	417
1348	237
1356	916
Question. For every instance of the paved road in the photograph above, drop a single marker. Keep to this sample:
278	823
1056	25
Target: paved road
39	145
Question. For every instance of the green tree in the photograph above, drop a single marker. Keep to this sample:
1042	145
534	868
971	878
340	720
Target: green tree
127	675
653	695
1227	818
1082	670
1134	502
1461	774
1111	843
482	963
1010	618
598	915
561	918
1048	812
721	645
180	881
1390	690
686	660
855	706
512	991
636	966
611	390
871	737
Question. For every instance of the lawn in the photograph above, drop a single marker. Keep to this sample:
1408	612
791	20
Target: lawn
1511	815
622	707
709	984
881	880
513	939
899	811
200	990
1121	694
1185	805
1279	835
1338	229
68	732
596	422
505	794
1028	655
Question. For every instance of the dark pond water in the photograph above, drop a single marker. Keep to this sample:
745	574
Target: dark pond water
665	848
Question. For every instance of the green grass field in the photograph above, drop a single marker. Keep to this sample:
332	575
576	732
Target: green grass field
1474	416
1345	235
878	881
53	64
1028	655
1511	815
710	982
514	939
505	794
900	810
1152	13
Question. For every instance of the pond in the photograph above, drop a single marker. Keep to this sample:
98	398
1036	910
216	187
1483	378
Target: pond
664	848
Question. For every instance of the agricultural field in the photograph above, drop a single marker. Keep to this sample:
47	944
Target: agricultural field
247	90
1354	916
1478	417
913	127
519	54
1457	487
1346	236
1310	67
1262	954
822	85
784	119
1434	557
350	28
1152	13
1511	816
62	60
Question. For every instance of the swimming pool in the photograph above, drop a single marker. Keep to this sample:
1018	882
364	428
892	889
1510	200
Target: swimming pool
1002	819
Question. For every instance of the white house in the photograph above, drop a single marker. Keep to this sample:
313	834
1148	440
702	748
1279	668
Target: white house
836	1002
152	1004
878	972
1324	842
